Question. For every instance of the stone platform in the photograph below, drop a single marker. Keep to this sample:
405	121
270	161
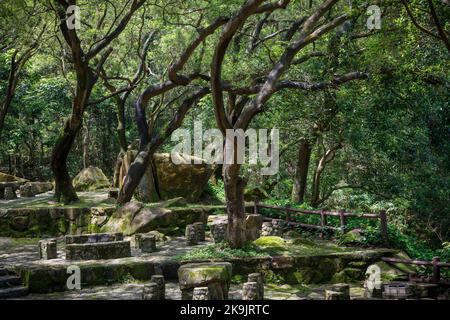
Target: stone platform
50	276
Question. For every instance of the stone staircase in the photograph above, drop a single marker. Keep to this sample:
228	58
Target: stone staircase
11	285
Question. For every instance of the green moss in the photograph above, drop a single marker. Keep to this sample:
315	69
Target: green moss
221	251
271	277
93	228
238	279
273	243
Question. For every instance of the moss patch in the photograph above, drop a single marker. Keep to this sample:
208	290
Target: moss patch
271	243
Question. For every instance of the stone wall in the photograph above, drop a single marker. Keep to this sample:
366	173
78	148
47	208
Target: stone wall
51	222
98	251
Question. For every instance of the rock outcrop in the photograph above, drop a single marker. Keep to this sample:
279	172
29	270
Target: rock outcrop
4	177
91	179
166	180
134	218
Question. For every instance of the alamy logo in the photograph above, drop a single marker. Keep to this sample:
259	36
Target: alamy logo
74	280
262	146
73	17
374	20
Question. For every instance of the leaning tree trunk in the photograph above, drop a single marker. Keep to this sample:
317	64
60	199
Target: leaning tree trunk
121	134
234	191
64	191
134	176
301	174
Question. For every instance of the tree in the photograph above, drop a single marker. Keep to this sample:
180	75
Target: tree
87	66
310	31
23	48
440	33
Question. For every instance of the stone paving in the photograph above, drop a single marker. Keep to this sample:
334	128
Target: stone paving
19	251
133	291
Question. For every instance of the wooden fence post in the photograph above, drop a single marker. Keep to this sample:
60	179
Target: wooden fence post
342	219
288	215
384	227
436	270
255	208
323	222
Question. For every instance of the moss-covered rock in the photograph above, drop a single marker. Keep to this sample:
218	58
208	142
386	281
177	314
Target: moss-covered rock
271	243
187	178
91	179
216	276
351	237
134	218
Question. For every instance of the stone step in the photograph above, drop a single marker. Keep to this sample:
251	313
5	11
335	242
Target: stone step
9	281
3	272
14	292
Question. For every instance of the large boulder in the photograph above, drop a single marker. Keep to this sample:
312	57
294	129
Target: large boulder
4	177
215	275
187	180
164	180
91	179
134	218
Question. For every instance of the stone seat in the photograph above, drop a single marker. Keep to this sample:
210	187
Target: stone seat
216	276
14	186
98	251
93	238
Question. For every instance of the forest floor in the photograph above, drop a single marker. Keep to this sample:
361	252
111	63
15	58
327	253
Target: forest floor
133	291
24	252
45	200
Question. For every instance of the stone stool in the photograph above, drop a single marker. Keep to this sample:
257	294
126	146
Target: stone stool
47	249
151	292
191	235
250	291
343	288
200	231
215	275
257	277
147	243
219	232
159	280
10	194
253	226
334	295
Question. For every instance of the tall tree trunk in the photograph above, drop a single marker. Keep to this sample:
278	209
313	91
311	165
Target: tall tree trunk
64	191
234	191
121	134
86	142
134	176
301	174
121	125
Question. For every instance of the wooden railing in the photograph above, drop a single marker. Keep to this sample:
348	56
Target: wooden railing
290	212
436	265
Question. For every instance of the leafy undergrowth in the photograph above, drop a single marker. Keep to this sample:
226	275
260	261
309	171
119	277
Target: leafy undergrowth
222	251
262	248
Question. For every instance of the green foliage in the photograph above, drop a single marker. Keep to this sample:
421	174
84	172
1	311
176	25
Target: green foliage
221	251
216	191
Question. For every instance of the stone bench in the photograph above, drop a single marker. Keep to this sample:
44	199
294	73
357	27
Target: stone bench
215	275
98	251
11	186
94	238
31	189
